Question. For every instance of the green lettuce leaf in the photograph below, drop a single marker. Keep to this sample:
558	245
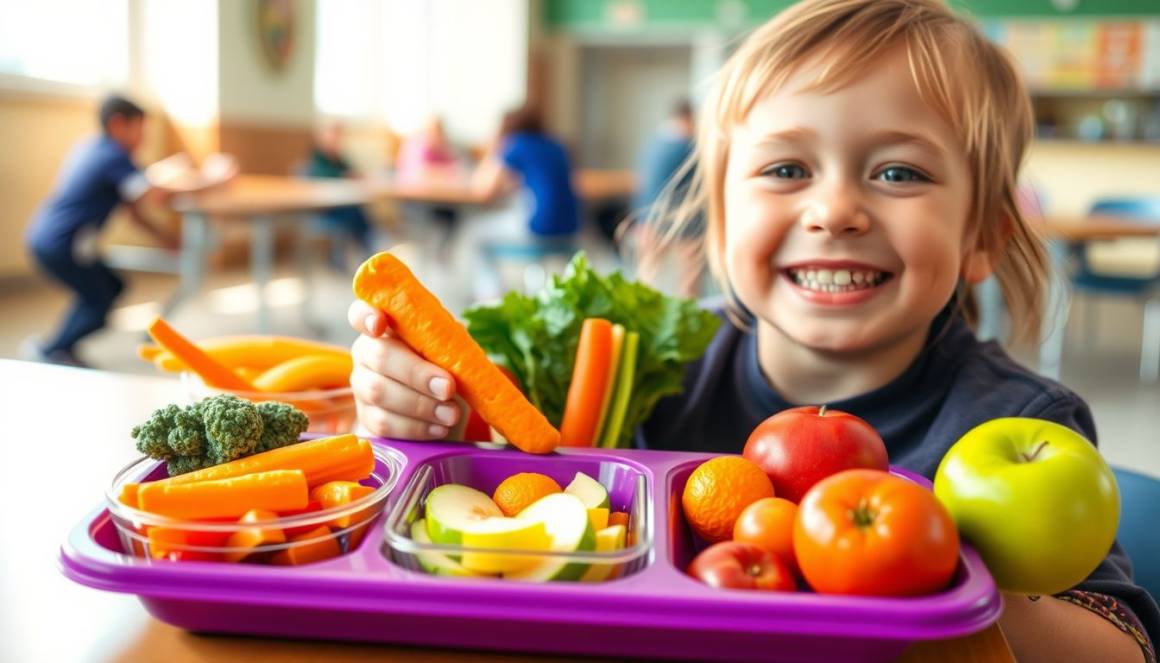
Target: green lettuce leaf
536	336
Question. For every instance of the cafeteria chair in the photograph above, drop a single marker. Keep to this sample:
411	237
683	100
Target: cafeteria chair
1145	288
1138	534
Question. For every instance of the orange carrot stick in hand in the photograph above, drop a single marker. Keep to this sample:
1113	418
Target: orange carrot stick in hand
590	381
421	321
214	373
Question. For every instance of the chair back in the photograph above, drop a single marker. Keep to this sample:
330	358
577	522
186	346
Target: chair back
1138	533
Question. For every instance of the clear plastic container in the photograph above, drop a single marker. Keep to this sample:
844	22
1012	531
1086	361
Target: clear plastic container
331	411
304	538
627	487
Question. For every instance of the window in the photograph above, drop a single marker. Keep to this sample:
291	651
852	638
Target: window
77	42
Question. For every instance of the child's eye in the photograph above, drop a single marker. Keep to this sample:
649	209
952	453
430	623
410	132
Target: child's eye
786	171
901	174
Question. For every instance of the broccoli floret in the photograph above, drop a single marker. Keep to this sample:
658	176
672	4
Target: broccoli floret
281	425
216	430
153	436
232	427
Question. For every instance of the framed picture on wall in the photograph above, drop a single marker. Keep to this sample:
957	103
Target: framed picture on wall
276	24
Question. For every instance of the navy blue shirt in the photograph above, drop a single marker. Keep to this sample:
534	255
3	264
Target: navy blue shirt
546	171
88	189
956	383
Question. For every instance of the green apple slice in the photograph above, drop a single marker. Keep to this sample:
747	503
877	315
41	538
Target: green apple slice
451	508
503	533
433	562
607	539
589	490
566	520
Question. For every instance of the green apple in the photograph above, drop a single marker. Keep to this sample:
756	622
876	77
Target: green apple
451	508
607	540
433	562
570	530
503	534
1035	499
589	490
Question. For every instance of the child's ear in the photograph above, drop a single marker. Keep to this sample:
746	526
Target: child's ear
979	262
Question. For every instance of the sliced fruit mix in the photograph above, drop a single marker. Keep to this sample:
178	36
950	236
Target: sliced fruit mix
258	492
527	512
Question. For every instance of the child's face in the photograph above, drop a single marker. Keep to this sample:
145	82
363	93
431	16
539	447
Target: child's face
128	131
845	212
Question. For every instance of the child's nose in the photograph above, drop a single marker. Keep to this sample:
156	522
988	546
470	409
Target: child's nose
837	212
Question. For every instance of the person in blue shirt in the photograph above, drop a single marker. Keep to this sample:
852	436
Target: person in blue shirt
97	176
856	166
664	173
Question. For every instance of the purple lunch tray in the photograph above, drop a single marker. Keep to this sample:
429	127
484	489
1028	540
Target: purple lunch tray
656	612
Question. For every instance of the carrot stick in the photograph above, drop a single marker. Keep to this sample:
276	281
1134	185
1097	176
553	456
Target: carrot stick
316	371
589	384
247	540
342	457
341	493
260	352
274	490
149	351
214	374
421	321
304	553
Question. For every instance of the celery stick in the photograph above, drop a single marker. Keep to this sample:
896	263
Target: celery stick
610	387
624	381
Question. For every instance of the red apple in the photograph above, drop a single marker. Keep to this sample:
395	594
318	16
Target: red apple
801	446
736	565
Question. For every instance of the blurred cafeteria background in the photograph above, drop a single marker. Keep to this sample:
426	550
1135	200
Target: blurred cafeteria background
323	130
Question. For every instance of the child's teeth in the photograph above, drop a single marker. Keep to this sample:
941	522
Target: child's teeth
857	276
825	276
836	280
842	277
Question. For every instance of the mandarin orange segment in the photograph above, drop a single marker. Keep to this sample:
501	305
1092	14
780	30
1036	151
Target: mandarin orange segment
718	491
520	490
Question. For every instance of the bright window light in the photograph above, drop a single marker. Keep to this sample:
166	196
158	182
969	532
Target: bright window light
79	42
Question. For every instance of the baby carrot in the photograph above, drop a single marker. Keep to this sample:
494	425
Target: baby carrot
589	384
421	321
214	373
275	490
315	371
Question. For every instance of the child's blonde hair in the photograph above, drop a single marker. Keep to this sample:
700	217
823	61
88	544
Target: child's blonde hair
958	72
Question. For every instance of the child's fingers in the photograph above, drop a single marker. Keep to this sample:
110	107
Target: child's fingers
394	359
366	319
382	423
392	396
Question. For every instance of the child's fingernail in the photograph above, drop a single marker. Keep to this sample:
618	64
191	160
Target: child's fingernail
445	413
370	324
437	431
440	388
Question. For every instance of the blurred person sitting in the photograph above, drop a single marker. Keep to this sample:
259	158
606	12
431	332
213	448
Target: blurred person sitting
427	155
340	223
97	176
661	174
523	153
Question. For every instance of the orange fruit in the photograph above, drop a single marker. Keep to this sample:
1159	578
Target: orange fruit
768	523
520	490
718	491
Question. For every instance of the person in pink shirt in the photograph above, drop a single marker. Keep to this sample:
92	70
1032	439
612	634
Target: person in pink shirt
428	154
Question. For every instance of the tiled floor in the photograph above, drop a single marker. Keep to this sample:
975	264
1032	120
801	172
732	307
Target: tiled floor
1103	372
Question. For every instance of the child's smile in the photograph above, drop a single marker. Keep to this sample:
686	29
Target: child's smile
836	283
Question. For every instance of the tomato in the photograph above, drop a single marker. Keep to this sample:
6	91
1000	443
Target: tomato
768	523
869	532
733	565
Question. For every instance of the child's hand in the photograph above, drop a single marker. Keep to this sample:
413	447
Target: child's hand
396	392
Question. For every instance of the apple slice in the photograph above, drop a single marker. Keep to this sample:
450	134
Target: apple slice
433	562
566	520
589	490
503	533
452	508
607	539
